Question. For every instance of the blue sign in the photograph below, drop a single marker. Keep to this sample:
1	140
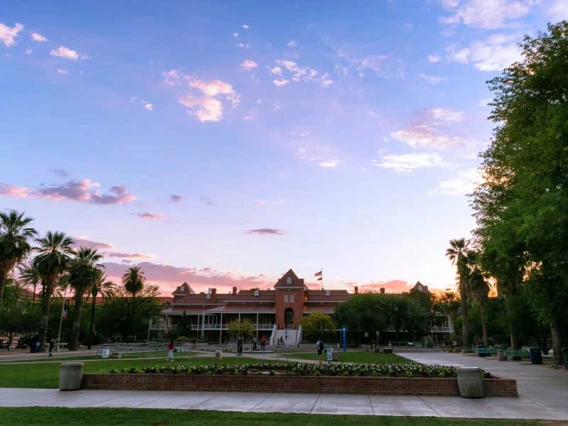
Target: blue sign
344	332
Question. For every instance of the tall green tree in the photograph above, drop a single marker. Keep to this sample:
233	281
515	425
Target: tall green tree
478	289
318	325
52	261
105	288
84	272
29	276
15	235
522	205
133	280
457	254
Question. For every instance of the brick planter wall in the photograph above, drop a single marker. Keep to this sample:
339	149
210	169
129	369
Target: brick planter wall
419	386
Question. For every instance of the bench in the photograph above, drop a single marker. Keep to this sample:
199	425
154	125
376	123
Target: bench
518	353
486	351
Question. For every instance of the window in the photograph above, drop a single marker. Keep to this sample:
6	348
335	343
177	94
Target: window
256	292
328	293
289	280
292	298
286	299
182	289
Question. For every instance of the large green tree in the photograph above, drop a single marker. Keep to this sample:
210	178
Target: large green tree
15	235
478	289
52	261
318	325
84	272
101	287
522	206
457	254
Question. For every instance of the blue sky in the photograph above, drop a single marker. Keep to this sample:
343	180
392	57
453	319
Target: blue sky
221	143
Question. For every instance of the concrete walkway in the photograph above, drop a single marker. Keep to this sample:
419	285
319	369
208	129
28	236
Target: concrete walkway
507	408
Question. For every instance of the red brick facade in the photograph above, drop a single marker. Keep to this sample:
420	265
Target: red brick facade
418	386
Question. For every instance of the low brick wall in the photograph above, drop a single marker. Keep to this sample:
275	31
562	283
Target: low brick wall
419	386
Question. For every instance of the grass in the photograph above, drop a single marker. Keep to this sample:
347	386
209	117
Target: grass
135	417
46	375
157	354
358	357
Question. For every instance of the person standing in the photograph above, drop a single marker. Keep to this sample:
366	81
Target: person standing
171	348
51	344
319	347
254	344
263	343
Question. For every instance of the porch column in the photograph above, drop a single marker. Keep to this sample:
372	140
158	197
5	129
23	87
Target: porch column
256	325
221	329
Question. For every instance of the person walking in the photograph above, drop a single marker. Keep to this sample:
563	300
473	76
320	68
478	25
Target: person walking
171	348
319	347
263	343
254	344
51	344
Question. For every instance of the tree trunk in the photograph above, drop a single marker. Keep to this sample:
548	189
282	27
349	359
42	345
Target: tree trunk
74	346
483	325
92	325
45	303
3	279
556	337
465	320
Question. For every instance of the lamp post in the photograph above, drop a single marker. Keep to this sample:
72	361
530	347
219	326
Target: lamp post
344	334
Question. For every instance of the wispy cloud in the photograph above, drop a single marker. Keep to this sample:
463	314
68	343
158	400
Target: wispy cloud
275	202
8	34
291	71
147	215
494	54
148	107
246	27
430	130
128	255
434	58
65	53
464	182
329	163
59	172
431	79
206	200
60	71
406	163
206	99
558	10
82	241
351	59
176	197
248	65
486	14
28	51
292	43
85	191
35	36
265	231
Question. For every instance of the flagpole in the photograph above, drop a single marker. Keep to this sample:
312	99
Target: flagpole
322	279
60	324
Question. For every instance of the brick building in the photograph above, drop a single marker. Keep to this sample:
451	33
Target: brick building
276	313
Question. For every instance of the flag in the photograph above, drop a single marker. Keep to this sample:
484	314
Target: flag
320	278
319	274
65	311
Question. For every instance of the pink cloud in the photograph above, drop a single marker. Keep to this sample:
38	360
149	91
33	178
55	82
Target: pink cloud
147	215
8	35
85	191
168	277
129	255
265	231
84	242
248	65
14	191
393	286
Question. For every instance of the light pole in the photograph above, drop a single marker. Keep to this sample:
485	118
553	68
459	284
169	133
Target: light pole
344	333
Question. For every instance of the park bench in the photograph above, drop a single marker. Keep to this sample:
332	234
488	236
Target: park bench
519	353
487	351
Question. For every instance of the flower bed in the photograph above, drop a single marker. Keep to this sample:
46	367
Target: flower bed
302	369
371	379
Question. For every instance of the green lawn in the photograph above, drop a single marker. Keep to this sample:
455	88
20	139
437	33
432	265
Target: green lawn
157	354
46	375
357	357
135	417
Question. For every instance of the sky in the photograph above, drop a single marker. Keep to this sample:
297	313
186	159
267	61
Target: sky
222	143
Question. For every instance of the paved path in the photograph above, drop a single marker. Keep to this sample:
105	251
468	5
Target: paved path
507	408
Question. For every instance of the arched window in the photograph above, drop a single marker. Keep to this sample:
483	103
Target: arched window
289	280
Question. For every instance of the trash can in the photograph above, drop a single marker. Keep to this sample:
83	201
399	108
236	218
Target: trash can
219	354
330	354
105	353
536	356
565	356
479	350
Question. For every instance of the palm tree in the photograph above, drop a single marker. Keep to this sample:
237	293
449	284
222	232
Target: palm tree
14	243
457	254
30	278
133	280
51	262
84	271
478	289
105	288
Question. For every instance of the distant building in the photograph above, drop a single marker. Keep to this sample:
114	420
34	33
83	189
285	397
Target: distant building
276	314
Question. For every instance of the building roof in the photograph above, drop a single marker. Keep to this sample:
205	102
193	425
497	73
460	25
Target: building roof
290	280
